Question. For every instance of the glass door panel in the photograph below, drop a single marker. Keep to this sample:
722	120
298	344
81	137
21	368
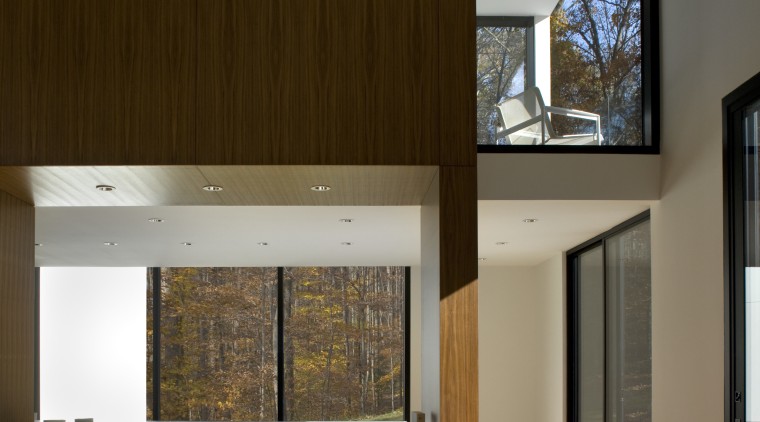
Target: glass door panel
629	316
591	333
752	259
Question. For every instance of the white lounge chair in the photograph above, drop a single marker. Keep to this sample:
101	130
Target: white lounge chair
525	120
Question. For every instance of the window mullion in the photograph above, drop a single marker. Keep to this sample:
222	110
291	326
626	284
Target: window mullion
281	415
156	278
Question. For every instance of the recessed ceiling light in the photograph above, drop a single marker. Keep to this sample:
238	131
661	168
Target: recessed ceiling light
105	188
320	188
186	244
530	220
482	259
213	188
346	243
502	243
263	244
110	243
346	220
156	220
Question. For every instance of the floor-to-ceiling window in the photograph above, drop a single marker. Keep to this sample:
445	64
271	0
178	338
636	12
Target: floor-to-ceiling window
217	353
609	328
287	343
344	343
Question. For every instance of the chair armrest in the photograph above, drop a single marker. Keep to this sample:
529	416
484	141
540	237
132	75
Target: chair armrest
515	128
580	115
576	135
572	113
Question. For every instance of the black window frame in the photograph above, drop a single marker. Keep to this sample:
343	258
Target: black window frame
650	95
733	106
573	310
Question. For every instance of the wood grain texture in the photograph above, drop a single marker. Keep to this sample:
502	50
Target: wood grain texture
351	185
317	82
459	294
456	36
12	81
16	309
459	227
459	355
103	82
243	185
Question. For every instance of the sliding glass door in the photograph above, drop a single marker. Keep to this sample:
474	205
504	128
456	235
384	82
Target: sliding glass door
741	119
609	332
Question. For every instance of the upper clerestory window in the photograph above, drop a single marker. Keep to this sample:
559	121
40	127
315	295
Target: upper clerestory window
596	90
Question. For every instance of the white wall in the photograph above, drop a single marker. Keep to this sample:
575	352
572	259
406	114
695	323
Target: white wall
431	293
92	343
568	176
521	342
708	49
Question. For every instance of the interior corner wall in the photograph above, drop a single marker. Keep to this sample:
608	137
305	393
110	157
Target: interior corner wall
708	50
431	317
521	335
16	309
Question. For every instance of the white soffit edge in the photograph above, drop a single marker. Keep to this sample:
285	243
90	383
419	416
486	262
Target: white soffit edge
515	7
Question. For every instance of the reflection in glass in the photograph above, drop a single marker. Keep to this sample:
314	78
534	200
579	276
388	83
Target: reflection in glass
611	287
752	259
591	335
629	316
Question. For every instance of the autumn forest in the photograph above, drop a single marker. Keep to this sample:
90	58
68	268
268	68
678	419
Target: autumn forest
342	345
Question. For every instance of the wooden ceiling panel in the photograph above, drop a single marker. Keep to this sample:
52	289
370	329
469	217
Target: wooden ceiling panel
243	185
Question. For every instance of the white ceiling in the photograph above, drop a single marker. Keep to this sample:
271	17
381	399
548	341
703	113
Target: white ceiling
515	7
308	235
561	226
228	236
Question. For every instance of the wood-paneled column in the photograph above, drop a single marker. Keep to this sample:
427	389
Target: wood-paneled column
450	297
458	294
16	309
458	213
